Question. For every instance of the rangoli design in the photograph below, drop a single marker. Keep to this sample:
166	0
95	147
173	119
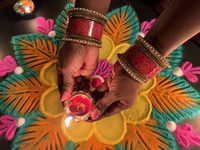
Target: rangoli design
34	96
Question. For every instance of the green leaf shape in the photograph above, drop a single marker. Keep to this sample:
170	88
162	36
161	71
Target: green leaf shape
20	94
123	25
33	51
61	22
40	133
173	99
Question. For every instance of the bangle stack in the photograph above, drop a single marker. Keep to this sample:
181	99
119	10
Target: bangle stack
142	61
85	26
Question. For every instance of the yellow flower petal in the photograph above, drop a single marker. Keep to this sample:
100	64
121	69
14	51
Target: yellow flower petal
48	74
50	102
110	130
118	49
140	111
76	132
150	84
108	46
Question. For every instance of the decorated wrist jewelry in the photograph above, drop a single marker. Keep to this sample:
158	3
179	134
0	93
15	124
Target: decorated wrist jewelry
142	62
151	50
85	26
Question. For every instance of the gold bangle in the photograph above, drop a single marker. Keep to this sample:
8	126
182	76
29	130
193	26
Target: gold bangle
81	41
87	16
129	65
148	54
153	51
82	37
128	70
84	10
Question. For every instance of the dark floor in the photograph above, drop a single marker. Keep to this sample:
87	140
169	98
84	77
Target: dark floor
12	24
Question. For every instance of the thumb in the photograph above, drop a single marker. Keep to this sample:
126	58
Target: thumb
101	107
103	103
67	86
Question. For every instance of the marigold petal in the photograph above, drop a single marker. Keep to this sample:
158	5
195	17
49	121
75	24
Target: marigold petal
50	102
140	111
76	131
48	74
110	130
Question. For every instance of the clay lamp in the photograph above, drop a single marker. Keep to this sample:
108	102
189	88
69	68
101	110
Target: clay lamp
79	106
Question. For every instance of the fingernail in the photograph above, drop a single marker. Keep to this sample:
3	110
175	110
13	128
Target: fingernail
95	113
64	96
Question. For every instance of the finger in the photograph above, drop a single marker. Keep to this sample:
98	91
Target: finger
87	82
98	93
59	78
78	81
109	79
67	86
114	108
101	106
111	110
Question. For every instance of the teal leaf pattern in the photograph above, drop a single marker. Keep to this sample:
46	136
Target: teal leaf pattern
20	94
40	133
123	25
175	97
61	22
33	51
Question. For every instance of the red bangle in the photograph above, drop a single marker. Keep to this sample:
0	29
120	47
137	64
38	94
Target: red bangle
141	62
85	27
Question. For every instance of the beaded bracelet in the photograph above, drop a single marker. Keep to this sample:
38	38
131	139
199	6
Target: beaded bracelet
85	26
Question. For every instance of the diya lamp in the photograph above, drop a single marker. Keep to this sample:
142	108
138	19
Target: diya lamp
24	7
79	106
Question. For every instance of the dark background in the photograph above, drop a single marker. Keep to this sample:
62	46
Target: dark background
12	24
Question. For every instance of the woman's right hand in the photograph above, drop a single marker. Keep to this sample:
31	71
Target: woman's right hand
76	64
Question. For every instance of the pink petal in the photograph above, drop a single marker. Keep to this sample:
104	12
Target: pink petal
50	24
182	140
8	65
3	129
10	62
185	127
152	22
1	64
7	120
194	139
41	21
11	132
191	77
195	70
41	29
45	26
186	66
145	26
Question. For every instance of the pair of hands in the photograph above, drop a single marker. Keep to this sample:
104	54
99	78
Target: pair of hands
76	64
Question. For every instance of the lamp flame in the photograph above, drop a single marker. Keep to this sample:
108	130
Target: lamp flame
28	9
68	119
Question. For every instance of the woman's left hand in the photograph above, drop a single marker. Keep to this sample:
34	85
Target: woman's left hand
120	91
